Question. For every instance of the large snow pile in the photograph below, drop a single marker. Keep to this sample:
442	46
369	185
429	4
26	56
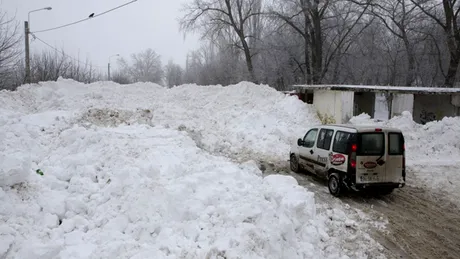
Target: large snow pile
223	120
433	150
240	120
97	174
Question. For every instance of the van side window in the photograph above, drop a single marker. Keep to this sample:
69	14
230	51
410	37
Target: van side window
325	139
341	142
309	139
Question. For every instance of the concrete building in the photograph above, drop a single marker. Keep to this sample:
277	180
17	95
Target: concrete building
338	103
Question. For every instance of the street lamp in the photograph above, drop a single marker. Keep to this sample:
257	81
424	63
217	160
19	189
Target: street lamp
41	9
27	32
108	66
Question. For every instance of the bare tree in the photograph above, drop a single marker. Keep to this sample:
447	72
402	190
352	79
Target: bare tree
120	78
446	15
9	50
310	19
49	66
400	18
382	42
215	16
146	67
174	74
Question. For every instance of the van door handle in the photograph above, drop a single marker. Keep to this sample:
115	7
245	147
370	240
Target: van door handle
311	151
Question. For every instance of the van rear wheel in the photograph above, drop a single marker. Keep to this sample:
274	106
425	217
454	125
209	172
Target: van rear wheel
334	184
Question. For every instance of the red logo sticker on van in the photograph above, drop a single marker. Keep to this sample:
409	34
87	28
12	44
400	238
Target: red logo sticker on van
337	159
370	165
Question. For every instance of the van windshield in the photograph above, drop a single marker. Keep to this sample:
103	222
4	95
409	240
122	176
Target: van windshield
371	144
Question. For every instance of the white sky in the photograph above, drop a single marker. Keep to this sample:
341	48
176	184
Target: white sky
133	28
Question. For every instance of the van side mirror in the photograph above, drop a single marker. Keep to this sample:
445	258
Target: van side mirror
300	142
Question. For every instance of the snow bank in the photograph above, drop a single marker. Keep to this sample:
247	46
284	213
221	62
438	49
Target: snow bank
243	120
139	191
133	191
127	173
433	150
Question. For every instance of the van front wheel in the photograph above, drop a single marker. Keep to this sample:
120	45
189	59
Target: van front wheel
294	164
334	184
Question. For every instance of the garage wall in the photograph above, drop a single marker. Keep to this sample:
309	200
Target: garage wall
433	107
329	104
347	106
402	102
381	111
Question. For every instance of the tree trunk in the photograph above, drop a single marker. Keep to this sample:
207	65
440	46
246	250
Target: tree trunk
453	42
454	61
308	77
452	71
411	71
307	73
317	48
248	57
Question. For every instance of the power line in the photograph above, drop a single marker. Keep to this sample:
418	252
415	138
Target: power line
82	20
63	53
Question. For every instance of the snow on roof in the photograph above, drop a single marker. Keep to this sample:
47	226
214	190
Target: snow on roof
375	88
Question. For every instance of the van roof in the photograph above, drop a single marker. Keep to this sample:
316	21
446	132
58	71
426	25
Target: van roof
359	128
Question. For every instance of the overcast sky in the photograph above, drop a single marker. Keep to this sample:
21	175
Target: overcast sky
135	27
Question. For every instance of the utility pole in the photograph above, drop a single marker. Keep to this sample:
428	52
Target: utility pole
27	50
108	72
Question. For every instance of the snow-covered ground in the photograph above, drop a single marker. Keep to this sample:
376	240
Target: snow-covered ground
433	151
140	171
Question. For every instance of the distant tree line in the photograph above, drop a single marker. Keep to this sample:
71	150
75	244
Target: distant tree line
281	43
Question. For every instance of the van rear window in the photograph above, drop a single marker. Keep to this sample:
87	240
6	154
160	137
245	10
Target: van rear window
371	144
395	144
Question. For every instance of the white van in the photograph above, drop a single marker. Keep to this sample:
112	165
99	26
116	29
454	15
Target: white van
352	157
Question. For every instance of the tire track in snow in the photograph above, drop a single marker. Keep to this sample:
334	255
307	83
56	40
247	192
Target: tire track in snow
421	222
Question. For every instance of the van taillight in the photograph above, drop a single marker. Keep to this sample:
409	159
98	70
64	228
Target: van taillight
354	148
